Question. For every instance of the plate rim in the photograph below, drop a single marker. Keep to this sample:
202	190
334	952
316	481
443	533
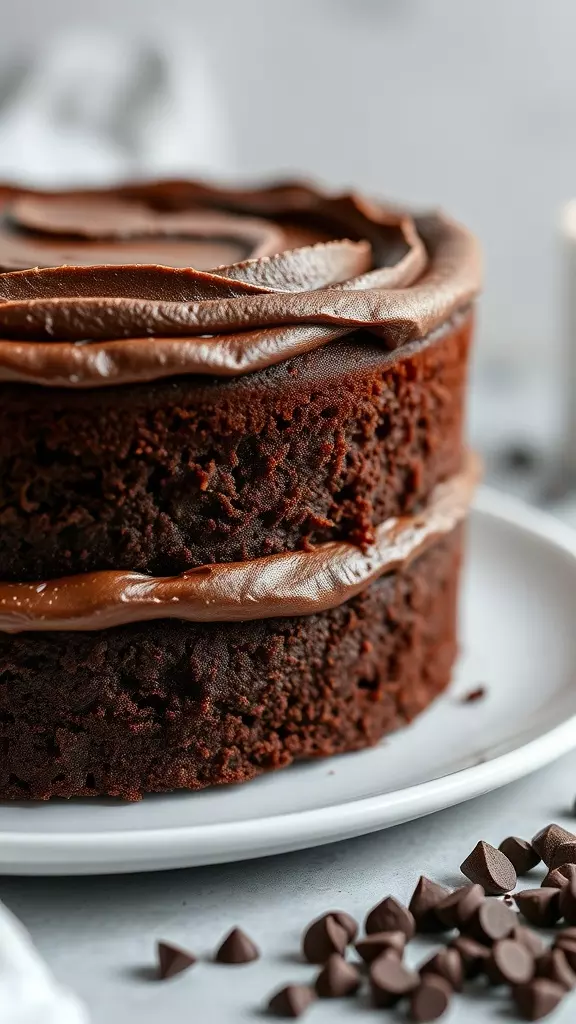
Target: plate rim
129	849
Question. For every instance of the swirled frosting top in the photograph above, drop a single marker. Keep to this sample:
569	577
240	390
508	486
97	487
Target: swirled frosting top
149	281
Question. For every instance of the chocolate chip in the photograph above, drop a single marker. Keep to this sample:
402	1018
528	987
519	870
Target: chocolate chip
237	948
554	880
566	941
390	916
547	839
510	963
568	902
390	980
337	978
447	963
374	946
519	457
539	906
564	853
490	868
554	965
430	1000
291	1001
458	907
538	998
322	937
347	922
474	955
478	693
173	960
534	944
425	898
490	922
560	877
520	853
568	947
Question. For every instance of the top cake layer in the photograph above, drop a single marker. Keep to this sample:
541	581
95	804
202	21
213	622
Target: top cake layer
353	319
154	281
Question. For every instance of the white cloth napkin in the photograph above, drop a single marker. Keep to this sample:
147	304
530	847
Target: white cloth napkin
29	993
93	107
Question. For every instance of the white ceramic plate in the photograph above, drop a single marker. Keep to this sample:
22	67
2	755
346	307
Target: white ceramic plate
518	638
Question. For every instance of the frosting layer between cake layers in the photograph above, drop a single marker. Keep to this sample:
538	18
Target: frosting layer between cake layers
290	584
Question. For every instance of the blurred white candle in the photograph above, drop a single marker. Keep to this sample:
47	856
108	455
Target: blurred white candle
568	368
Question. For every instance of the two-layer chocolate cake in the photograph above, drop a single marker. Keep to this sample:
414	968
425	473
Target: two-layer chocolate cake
232	480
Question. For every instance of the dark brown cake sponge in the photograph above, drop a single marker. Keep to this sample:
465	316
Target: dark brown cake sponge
174	705
177	473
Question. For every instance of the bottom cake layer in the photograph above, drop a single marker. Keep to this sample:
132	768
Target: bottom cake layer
180	705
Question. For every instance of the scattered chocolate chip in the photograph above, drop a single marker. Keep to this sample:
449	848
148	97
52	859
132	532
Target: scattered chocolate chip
322	937
337	978
490	922
430	1000
560	877
540	907
447	963
554	966
520	853
490	868
375	945
478	693
554	880
390	980
237	948
534	944
519	458
538	998
173	960
566	941
474	955
564	853
425	898
390	916
291	1001
510	963
547	839
568	902
457	908
347	922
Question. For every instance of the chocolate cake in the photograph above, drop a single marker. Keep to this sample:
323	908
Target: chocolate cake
233	480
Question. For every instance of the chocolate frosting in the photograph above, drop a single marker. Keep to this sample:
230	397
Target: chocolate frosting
144	282
288	584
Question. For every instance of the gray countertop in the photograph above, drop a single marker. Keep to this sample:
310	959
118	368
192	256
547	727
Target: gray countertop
98	934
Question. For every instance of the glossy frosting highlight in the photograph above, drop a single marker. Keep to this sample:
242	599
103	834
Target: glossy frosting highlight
124	286
289	584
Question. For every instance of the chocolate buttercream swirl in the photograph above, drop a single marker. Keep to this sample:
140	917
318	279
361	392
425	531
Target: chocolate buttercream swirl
290	584
146	282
